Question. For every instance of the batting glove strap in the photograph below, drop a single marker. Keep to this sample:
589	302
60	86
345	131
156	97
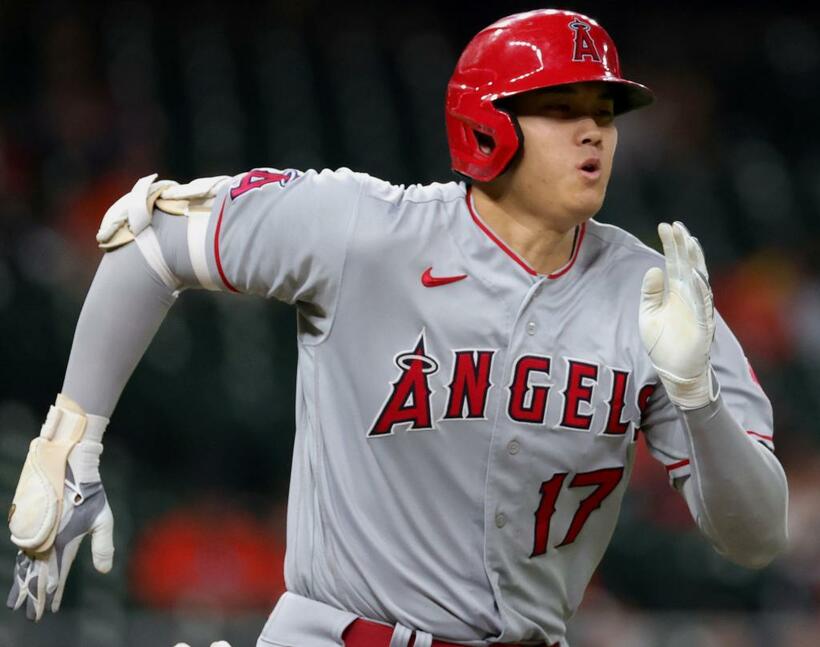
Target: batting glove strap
38	501
692	393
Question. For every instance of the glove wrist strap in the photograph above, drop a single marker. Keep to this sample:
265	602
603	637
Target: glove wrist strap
38	501
690	393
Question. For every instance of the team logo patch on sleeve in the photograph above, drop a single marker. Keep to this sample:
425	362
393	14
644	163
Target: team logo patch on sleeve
261	177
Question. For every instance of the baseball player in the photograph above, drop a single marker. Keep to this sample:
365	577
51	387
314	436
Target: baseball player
476	361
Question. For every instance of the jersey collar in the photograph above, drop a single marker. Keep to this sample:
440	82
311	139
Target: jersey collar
580	231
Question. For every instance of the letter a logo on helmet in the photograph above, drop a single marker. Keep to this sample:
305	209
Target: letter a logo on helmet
520	53
583	47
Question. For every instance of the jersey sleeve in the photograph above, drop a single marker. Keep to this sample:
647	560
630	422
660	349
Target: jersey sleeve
663	424
283	234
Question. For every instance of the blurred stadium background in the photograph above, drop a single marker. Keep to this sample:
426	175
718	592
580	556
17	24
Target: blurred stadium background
198	452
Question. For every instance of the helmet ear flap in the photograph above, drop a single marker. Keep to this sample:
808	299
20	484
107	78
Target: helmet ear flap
502	106
484	142
483	139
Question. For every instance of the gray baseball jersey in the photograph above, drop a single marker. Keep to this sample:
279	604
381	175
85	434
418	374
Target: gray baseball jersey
466	427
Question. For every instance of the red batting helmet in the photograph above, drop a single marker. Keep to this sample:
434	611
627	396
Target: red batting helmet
523	52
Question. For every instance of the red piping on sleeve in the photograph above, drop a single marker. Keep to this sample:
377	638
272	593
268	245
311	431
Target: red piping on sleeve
685	461
675	466
216	249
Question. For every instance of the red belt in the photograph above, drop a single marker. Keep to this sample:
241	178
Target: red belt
364	633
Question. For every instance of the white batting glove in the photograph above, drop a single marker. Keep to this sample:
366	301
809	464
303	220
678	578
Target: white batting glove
129	215
677	319
59	500
219	643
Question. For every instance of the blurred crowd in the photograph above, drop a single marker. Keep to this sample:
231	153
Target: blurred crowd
198	452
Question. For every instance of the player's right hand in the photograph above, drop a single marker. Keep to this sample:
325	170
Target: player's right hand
59	500
39	579
218	643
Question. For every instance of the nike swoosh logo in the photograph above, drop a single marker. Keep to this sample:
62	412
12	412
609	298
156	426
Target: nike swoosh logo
430	281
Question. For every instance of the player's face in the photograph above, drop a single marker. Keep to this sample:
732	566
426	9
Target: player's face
569	143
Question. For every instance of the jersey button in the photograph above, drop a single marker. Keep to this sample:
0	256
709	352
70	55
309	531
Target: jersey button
500	520
531	328
513	447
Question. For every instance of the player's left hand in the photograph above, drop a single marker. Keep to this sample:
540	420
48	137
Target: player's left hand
677	319
219	643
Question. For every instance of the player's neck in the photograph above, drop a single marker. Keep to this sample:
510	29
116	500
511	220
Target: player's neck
536	238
